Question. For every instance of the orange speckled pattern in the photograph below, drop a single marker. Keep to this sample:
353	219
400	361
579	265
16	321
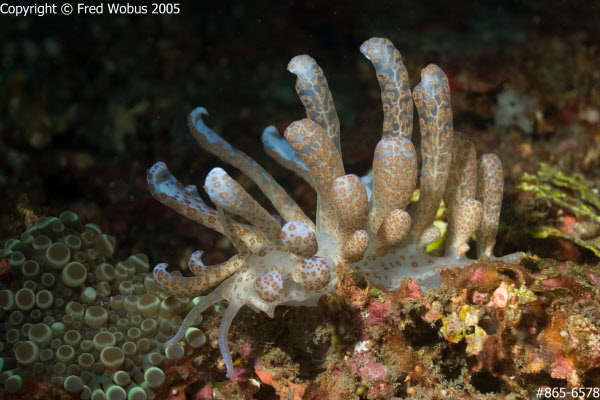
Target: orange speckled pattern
269	286
429	235
318	152
490	185
300	239
214	144
467	218
166	189
323	161
350	202
394	228
206	276
395	87
355	247
432	99
462	178
394	177
227	193
315	273
313	90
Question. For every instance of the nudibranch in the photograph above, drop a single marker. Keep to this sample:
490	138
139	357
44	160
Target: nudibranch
368	225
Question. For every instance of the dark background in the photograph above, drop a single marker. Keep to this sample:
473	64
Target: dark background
90	102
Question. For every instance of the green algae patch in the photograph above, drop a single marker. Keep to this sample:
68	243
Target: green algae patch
576	200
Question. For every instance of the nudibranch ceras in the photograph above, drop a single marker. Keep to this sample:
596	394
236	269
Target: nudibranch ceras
374	230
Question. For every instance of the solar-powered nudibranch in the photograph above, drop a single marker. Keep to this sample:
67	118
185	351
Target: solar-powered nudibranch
370	229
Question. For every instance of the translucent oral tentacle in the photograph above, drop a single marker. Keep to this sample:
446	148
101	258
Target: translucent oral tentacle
432	99
313	90
214	144
227	193
193	315
228	316
395	87
490	185
394	178
324	164
281	151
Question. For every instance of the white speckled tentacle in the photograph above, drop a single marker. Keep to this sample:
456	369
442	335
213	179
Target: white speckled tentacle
186	201
349	198
462	179
324	163
490	185
395	87
206	277
394	178
227	193
167	189
432	99
313	90
213	143
468	216
282	151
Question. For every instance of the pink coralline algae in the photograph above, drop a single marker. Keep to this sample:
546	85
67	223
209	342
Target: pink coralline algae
373	373
362	224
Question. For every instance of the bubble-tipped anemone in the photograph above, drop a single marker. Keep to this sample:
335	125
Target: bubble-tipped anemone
96	317
112	357
27	353
40	334
58	255
371	230
74	274
154	377
73	315
25	299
